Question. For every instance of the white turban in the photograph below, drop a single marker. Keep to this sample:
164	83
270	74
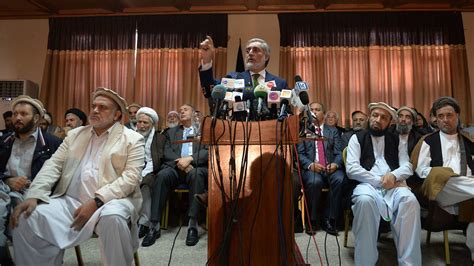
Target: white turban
149	112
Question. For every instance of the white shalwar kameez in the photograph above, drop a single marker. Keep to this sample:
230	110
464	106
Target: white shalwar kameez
42	238
457	189
145	212
371	201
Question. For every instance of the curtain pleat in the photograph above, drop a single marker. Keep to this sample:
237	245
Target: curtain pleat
352	59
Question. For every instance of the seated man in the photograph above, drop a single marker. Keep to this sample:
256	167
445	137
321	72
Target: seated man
182	163
132	116
75	118
321	162
381	169
405	128
147	120
95	174
332	119
21	157
445	163
7	118
359	122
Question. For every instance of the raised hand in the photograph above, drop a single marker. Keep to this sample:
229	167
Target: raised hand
206	50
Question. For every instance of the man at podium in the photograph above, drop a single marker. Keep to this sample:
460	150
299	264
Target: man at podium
257	56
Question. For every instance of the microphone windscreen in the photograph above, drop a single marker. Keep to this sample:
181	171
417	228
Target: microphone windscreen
218	92
304	97
298	78
261	91
284	102
247	94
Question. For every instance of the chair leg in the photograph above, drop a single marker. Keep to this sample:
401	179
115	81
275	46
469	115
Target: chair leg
80	262
446	247
164	216
346	226
136	259
428	237
302	211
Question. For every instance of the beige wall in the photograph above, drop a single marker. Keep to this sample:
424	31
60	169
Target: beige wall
23	46
468	21
245	27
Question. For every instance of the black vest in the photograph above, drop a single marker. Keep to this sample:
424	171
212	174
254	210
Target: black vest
436	154
367	159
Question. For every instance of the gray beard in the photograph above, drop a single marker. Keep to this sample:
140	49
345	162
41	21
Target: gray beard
145	134
403	129
173	125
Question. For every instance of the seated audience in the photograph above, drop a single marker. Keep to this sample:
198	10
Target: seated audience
21	157
172	120
445	163
381	171
321	162
95	174
182	163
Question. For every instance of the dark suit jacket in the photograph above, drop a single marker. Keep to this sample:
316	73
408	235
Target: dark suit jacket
157	149
207	79
46	145
333	147
172	151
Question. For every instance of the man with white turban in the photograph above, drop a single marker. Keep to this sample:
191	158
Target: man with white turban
147	120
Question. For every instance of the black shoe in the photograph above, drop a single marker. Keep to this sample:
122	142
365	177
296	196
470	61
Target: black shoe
151	237
192	238
311	231
298	224
330	227
143	230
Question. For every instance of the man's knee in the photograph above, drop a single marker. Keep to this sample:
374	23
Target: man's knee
363	201
111	223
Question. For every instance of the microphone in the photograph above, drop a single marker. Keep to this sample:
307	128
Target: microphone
218	94
260	92
283	104
301	89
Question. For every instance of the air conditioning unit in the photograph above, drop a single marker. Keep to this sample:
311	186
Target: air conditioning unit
14	88
10	89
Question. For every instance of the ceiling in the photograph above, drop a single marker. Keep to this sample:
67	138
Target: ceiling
12	9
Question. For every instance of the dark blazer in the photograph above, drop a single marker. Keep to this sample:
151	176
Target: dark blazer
172	151
157	149
207	79
46	145
333	147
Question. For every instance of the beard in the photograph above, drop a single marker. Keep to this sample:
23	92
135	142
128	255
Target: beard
403	129
26	128
252	65
144	133
378	132
170	125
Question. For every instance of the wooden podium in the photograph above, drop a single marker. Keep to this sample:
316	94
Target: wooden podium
261	231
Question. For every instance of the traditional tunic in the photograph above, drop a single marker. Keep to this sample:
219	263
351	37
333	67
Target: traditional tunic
371	201
42	238
457	189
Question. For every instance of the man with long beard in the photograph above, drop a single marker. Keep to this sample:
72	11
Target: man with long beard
147	120
406	132
22	155
381	169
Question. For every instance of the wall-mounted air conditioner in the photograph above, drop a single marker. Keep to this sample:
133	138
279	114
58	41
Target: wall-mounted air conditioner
10	89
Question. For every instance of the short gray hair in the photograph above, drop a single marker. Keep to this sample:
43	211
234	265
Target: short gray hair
263	44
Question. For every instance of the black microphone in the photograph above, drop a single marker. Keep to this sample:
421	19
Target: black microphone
218	94
283	104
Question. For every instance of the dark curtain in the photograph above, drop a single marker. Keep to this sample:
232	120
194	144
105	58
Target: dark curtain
370	28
